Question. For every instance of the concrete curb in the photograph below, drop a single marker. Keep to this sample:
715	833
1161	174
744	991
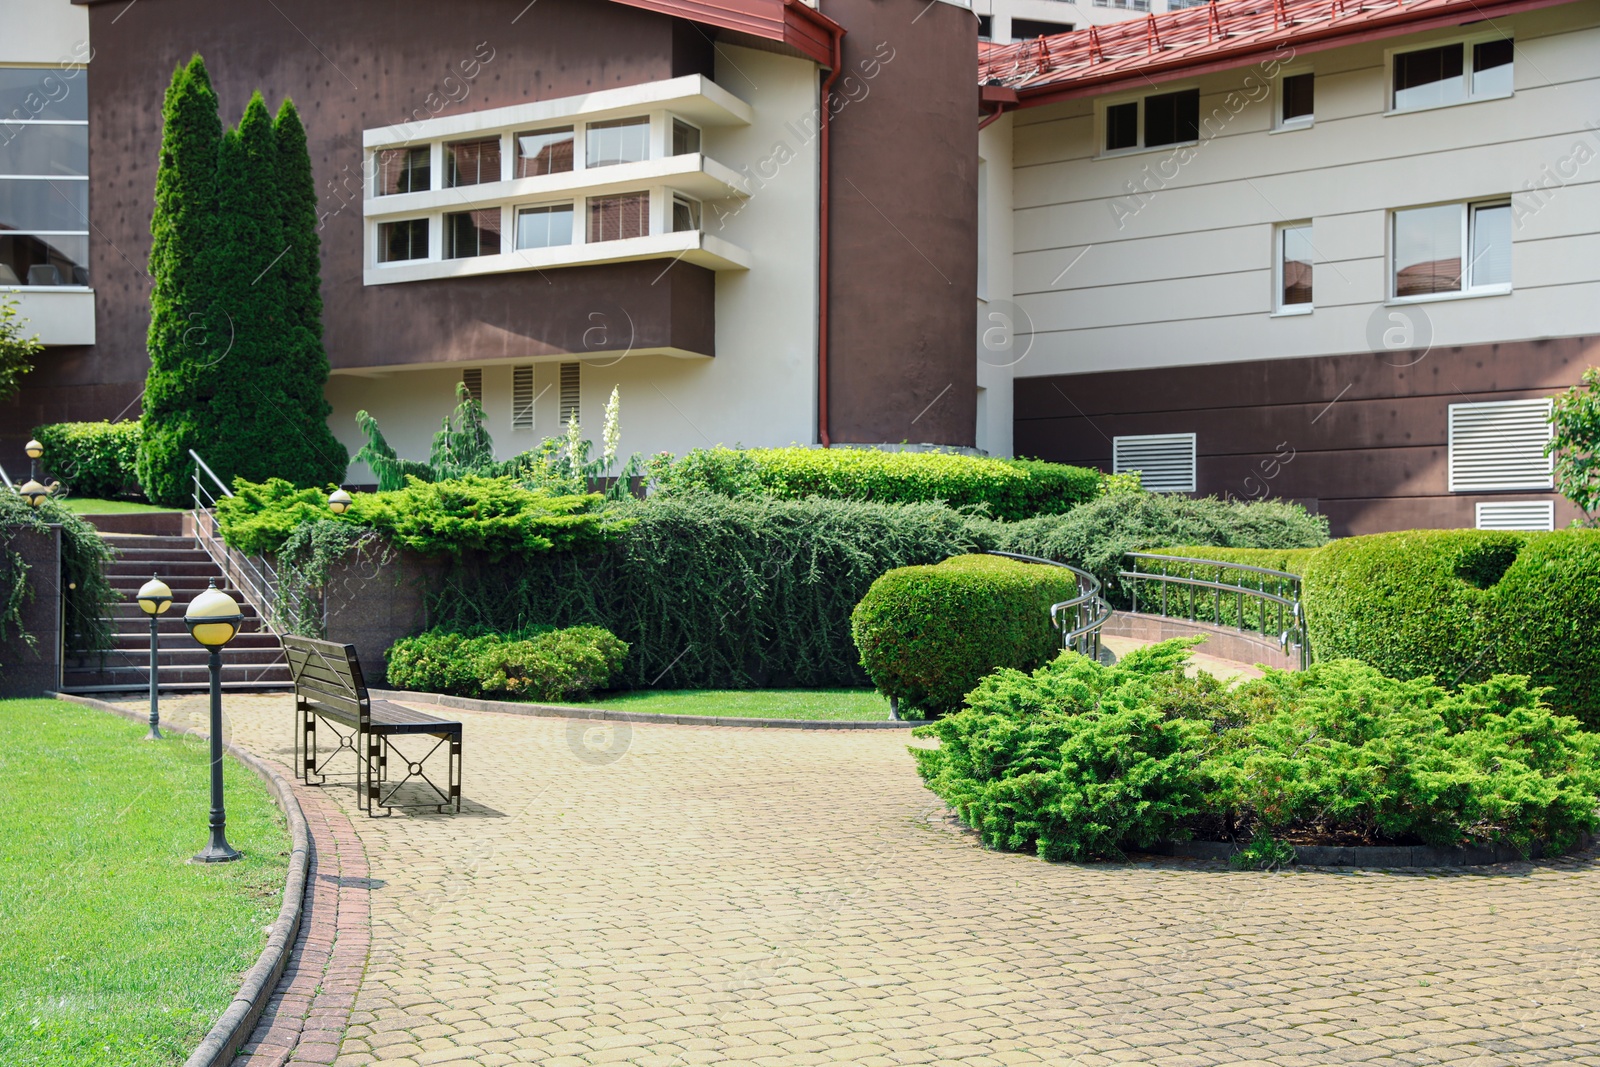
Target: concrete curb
1375	856
222	1043
558	711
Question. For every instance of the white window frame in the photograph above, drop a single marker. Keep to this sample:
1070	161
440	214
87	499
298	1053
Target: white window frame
1466	41
1278	260
60	72
1117	466
579	233
699	209
1102	105
435	232
1547	482
1468	289
1303	122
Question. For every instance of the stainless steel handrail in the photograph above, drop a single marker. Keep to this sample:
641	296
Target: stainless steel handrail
4	477
1285	596
254	576
1089	608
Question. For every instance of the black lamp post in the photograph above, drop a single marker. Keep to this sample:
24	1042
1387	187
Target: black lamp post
34	450
154	598
31	488
213	619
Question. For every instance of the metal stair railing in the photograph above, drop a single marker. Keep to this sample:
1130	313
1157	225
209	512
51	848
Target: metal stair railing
1077	620
253	576
1281	603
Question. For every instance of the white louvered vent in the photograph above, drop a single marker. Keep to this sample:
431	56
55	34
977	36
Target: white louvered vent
522	398
1517	515
569	392
1500	445
472	378
1165	461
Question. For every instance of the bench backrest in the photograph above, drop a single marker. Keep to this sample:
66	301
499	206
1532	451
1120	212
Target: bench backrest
329	674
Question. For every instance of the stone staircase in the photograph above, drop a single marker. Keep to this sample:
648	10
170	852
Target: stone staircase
254	659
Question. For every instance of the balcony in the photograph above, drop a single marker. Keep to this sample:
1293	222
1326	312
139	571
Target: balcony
59	315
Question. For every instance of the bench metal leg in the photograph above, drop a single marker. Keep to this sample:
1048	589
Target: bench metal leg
309	763
380	791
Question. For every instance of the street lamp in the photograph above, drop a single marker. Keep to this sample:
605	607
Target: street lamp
34	450
213	619
338	501
154	598
33	491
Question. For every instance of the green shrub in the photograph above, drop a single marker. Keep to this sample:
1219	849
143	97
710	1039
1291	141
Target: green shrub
94	459
87	599
1078	760
1098	535
927	635
1289	560
494	516
1461	605
1010	489
713	592
536	664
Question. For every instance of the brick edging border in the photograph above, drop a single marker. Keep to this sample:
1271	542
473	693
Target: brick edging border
560	711
220	1045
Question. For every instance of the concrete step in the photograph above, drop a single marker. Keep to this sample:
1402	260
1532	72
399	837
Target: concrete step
143	522
128	609
74	679
139	570
132	641
143	686
174	656
146	541
138	555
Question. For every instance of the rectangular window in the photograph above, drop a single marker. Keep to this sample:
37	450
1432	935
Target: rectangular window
522	398
685	213
1500	445
569	393
44	177
1452	248
472	162
472	233
1435	77
985	27
1296	95
403	240
405	170
1165	461
1295	259
685	138
618	141
541	152
472	378
1154	122
544	227
1028	29
616	218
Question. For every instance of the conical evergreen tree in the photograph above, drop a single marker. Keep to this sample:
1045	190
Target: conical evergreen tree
324	457
182	337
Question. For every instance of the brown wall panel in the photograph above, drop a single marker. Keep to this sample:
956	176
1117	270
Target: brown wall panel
904	230
1370	460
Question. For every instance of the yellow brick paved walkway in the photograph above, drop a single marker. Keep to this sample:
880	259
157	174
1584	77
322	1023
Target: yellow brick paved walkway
642	894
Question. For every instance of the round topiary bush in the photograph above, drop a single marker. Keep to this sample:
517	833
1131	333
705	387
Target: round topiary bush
928	635
1461	605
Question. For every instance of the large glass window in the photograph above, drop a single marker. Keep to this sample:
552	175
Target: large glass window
1434	77
685	138
403	240
472	233
541	152
618	141
544	227
685	213
1452	248
616	218
405	170
44	176
472	162
1294	267
1167	119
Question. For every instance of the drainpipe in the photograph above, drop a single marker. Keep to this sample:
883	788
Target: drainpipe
997	96
823	435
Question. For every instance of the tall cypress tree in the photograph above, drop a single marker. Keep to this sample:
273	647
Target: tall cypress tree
182	337
324	458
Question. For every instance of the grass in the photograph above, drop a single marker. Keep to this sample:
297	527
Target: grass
850	705
114	949
88	505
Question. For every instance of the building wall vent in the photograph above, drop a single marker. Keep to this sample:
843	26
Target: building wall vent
522	398
569	392
1500	445
1165	461
472	378
1517	515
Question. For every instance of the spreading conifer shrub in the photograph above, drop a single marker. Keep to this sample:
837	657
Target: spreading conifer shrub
540	663
1081	761
927	635
87	598
93	459
1007	489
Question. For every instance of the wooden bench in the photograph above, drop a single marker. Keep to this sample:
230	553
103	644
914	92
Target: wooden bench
328	687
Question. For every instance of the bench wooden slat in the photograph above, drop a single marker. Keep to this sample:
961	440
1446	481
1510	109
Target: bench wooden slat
331	679
311	689
389	713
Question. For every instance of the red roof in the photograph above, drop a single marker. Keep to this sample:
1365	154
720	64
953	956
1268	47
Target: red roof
802	28
1218	35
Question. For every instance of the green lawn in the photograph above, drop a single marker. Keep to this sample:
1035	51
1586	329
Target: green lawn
88	505
836	704
114	949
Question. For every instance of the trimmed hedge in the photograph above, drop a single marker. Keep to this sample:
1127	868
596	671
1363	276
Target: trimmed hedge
1009	489
1079	760
928	635
1097	535
542	664
1461	605
94	459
